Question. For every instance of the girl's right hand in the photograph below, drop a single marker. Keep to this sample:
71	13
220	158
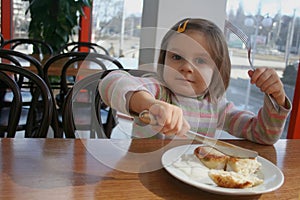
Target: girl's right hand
169	119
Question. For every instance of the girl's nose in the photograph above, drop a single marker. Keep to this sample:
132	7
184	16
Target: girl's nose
186	67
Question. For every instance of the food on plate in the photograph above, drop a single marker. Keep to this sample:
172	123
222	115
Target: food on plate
230	179
229	172
211	158
243	166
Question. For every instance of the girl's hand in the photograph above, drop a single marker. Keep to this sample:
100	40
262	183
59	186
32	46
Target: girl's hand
269	82
169	119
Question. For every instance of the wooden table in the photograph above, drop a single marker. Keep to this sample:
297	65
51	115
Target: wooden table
71	169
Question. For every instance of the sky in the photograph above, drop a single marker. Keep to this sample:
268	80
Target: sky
270	7
133	7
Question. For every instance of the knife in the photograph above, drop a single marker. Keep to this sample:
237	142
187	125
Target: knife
224	147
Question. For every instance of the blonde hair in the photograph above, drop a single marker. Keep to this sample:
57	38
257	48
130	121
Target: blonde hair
217	49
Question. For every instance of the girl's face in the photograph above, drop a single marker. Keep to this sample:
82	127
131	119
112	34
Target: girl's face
188	67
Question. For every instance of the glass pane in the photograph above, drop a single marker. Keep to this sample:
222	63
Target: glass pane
116	26
274	32
20	19
20	22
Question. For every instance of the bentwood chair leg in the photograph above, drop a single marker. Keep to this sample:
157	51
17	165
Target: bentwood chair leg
57	129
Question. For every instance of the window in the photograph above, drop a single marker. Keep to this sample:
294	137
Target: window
20	19
274	30
116	26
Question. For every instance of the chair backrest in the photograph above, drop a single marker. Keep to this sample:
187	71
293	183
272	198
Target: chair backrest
84	98
41	107
9	116
20	59
62	70
73	65
83	47
80	109
36	48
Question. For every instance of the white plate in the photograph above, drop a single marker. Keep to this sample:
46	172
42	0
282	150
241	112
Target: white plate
272	175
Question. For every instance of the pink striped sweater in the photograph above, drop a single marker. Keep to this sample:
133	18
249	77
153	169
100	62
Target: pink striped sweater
203	116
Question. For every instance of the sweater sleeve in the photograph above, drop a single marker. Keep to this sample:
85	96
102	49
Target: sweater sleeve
265	128
116	87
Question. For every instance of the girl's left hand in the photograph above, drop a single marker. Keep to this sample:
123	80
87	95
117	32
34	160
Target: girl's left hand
268	81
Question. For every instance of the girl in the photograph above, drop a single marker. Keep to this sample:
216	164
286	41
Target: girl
193	73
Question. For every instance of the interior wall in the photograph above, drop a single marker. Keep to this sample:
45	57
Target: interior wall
159	15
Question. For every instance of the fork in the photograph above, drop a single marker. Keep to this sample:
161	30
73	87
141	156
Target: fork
245	39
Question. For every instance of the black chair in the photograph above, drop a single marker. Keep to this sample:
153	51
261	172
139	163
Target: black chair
39	49
70	67
20	59
9	116
1	40
84	110
81	109
83	47
36	117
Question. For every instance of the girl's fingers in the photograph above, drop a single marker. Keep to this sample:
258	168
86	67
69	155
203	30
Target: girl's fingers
267	85
264	78
254	75
174	124
269	82
169	118
250	73
273	87
260	77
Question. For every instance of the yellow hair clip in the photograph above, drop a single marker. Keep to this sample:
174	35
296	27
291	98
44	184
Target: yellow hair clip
182	26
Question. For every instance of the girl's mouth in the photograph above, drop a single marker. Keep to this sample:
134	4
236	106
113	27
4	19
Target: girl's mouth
184	79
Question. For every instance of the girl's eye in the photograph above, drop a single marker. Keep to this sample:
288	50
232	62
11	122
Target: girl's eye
176	57
199	61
